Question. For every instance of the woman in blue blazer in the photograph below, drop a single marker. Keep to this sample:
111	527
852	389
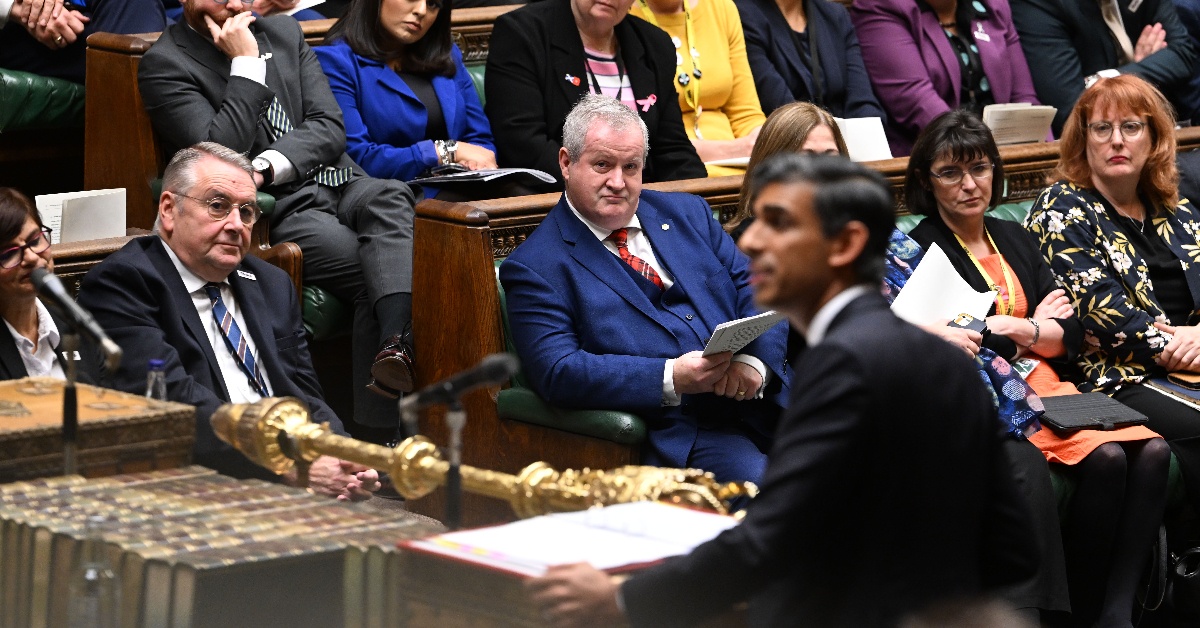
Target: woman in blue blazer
785	37
407	100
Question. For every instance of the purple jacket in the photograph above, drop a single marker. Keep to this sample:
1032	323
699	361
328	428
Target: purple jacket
913	66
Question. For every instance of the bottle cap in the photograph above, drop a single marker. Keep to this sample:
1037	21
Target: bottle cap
157	365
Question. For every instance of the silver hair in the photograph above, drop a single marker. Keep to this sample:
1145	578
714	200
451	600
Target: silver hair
180	175
594	107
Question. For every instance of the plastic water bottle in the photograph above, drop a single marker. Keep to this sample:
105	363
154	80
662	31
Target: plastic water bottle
156	381
94	596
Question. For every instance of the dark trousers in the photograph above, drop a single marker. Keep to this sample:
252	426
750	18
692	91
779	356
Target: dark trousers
20	51
1175	422
357	244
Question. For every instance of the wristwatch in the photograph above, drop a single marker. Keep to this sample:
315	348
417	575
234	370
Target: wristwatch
447	151
263	167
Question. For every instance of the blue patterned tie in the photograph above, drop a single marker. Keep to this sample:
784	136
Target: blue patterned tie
235	340
280	125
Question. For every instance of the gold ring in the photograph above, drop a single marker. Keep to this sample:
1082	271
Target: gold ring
741	393
58	40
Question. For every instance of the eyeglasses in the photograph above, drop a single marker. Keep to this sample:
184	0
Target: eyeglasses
243	1
220	208
10	258
1102	131
954	176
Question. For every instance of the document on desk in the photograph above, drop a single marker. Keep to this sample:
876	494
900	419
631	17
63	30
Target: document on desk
615	538
865	138
936	291
1018	122
734	335
87	215
470	176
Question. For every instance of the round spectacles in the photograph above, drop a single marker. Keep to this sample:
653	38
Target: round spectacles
1102	131
954	176
11	258
220	208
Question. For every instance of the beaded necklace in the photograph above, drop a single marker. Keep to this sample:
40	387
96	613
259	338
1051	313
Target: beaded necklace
689	81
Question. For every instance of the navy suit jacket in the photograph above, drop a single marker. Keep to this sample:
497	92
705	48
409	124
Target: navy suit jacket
12	367
386	122
780	73
1067	40
887	489
588	336
137	296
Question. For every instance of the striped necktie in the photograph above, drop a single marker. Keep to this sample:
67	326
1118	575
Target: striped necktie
280	125
234	340
620	237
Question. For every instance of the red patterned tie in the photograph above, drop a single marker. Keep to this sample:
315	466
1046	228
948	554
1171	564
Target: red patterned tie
620	237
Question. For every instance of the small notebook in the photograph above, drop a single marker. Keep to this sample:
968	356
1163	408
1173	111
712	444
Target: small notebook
1088	411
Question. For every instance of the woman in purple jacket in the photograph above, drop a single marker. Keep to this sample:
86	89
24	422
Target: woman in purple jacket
928	57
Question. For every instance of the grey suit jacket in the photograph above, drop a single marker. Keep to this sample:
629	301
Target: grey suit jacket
187	90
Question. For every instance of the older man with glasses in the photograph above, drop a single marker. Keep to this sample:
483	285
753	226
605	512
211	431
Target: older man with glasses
226	326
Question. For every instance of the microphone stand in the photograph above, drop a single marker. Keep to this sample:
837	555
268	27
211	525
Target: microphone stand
456	419
70	345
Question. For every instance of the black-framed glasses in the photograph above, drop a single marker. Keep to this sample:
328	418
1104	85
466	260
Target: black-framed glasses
981	171
220	208
1102	131
11	258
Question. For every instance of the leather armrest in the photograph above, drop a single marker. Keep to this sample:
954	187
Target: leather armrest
522	404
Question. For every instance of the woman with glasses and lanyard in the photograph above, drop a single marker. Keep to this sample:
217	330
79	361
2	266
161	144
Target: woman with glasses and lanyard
1124	246
30	348
954	176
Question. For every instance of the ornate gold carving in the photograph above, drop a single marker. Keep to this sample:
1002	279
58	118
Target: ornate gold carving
275	433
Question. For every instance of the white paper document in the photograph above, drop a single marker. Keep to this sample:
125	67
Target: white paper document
732	162
734	335
485	175
1018	122
302	5
610	538
865	138
935	292
88	215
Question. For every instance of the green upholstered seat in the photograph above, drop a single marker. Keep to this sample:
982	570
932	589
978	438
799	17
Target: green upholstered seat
520	403
476	72
1015	212
30	101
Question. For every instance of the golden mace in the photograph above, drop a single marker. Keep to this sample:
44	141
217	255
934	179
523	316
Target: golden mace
275	433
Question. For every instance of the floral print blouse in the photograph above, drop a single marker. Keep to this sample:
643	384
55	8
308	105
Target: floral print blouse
1108	281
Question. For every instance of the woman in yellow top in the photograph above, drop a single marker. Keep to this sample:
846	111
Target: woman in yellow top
712	75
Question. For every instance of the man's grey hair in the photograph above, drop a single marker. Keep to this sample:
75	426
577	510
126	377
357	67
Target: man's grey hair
180	175
594	107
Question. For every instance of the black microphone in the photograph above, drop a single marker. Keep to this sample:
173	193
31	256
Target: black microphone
492	369
51	288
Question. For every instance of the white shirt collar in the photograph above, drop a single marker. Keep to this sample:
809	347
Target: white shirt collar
824	317
600	232
47	331
191	281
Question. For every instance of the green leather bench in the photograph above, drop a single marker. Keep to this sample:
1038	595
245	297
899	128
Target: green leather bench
30	102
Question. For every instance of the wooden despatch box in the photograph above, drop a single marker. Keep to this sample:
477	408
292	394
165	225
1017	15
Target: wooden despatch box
118	432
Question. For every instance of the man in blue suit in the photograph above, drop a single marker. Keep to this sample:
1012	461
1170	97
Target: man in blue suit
613	298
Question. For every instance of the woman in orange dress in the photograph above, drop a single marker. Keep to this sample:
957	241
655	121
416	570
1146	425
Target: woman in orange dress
1121	475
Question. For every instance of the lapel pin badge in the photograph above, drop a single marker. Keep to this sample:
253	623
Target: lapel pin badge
574	80
264	56
666	227
647	102
1135	5
245	275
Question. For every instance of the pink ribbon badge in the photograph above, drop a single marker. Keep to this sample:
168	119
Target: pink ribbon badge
647	102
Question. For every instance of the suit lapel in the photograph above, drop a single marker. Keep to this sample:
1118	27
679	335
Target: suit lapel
182	302
202	50
945	51
10	357
568	59
781	32
445	89
636	65
599	261
252	305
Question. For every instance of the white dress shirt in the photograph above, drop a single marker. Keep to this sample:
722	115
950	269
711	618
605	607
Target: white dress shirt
639	245
39	358
237	382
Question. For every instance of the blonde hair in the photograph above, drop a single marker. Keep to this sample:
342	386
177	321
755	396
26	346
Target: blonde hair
786	131
1160	176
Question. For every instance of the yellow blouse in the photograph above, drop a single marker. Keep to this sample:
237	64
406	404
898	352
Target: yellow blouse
728	99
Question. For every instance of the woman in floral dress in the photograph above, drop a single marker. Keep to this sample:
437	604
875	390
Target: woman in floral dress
1123	245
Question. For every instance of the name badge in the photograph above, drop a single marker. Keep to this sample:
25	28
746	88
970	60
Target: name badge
245	275
1135	5
979	34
